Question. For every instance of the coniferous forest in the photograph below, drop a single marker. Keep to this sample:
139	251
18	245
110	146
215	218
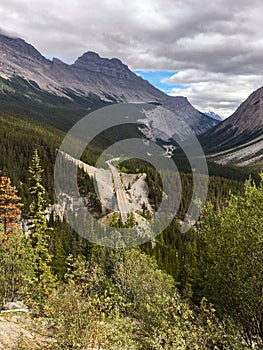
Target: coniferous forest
198	290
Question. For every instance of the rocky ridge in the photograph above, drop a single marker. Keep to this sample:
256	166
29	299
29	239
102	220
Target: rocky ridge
108	79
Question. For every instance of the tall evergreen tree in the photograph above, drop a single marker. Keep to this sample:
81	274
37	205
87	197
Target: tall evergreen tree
16	261
40	232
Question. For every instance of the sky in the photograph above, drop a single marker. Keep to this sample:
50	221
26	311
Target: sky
208	51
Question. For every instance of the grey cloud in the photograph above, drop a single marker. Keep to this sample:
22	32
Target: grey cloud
215	91
218	36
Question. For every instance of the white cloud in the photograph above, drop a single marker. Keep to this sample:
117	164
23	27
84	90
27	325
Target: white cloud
214	38
220	92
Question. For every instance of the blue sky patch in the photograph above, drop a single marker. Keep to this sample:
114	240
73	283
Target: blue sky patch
156	79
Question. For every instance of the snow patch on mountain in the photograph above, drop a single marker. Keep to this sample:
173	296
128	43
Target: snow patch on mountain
214	115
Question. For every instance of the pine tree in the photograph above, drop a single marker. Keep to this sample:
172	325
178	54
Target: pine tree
9	205
58	256
40	233
16	266
131	220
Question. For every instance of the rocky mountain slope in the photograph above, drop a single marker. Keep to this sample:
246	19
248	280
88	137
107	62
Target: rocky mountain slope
248	117
110	79
239	139
89	83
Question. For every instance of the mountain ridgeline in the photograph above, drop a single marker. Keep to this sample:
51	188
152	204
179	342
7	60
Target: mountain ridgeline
61	94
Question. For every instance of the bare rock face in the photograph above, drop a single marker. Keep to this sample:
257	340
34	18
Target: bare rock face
108	79
23	49
239	139
249	115
92	62
247	120
197	121
111	77
18	58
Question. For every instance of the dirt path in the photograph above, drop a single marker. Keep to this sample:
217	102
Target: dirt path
13	334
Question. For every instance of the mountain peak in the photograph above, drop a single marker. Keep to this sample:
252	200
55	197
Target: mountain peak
91	59
214	115
90	55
